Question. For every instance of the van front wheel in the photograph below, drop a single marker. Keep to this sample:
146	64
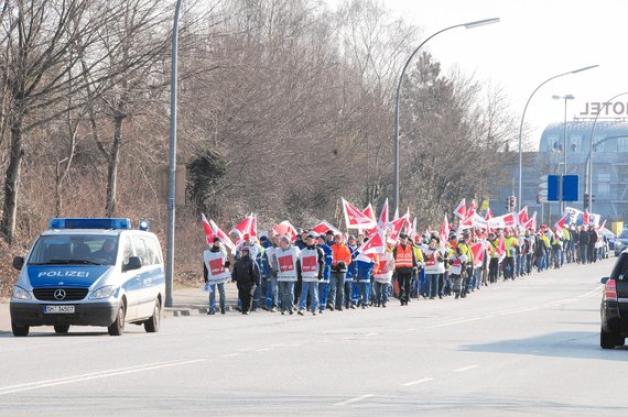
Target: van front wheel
117	327
152	324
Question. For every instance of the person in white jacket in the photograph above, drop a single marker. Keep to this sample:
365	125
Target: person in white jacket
434	266
383	277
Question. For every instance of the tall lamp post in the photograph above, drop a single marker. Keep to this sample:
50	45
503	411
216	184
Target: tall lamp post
172	159
523	115
589	165
469	25
566	98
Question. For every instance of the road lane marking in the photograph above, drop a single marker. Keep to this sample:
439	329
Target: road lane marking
354	400
466	368
417	382
12	389
230	355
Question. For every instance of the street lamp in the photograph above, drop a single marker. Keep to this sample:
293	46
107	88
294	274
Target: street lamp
566	98
468	25
172	160
589	176
525	109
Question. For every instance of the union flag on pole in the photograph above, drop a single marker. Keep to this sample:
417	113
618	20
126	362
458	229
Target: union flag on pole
461	210
560	224
368	212
489	214
586	218
522	216
395	229
444	229
222	236
478	253
375	244
354	217
286	228
383	215
209	234
242	228
323	227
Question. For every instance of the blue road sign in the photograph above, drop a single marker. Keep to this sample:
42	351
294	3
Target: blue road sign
570	188
553	187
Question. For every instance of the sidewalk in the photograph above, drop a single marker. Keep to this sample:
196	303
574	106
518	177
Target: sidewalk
187	301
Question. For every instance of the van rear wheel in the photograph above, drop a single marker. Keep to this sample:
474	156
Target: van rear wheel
152	324
62	328
117	327
19	331
608	340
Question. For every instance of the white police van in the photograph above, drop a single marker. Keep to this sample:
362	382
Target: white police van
89	272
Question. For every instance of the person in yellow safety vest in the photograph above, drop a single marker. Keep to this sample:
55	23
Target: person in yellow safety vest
418	255
493	266
405	262
511	244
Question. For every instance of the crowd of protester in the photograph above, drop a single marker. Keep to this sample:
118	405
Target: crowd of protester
326	272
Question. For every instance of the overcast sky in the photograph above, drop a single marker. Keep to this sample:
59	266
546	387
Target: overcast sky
534	40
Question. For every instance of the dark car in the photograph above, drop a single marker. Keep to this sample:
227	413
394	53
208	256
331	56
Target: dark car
614	309
621	242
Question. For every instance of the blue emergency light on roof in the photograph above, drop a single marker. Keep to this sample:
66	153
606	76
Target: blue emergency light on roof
90	223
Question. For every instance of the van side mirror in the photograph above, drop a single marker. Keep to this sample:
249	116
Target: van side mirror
604	280
18	262
134	263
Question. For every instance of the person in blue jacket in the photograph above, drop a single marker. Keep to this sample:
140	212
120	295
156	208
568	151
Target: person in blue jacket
323	284
364	268
350	302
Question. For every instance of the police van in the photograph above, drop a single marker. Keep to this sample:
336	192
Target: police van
89	272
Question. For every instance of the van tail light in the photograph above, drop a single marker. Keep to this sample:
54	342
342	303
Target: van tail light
610	290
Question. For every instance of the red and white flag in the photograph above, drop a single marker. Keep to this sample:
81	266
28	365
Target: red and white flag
286	228
560	224
383	215
375	244
444	229
395	229
489	214
354	217
242	228
522	216
209	234
586	218
222	236
253	230
369	212
531	223
323	227
461	210
478	253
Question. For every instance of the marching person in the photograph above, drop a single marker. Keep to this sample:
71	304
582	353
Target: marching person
405	262
341	258
416	276
323	284
458	262
246	274
512	245
351	273
272	287
312	261
434	267
216	273
365	264
493	253
383	277
288	263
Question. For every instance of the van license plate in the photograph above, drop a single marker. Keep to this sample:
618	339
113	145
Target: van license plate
59	310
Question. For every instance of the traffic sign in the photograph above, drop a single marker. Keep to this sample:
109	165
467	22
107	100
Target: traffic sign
570	188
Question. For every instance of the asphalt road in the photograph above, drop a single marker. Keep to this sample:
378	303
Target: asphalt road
520	348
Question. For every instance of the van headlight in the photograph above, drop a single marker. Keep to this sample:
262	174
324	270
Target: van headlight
103	292
20	293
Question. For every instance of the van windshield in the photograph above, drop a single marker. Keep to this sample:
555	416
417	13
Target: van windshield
75	250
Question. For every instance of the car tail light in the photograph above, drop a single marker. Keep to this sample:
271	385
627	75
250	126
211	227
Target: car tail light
610	290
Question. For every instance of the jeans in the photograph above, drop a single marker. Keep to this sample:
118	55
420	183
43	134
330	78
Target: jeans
493	270
404	278
509	267
337	290
310	288
272	292
212	296
433	281
348	293
286	294
365	291
381	293
323	292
